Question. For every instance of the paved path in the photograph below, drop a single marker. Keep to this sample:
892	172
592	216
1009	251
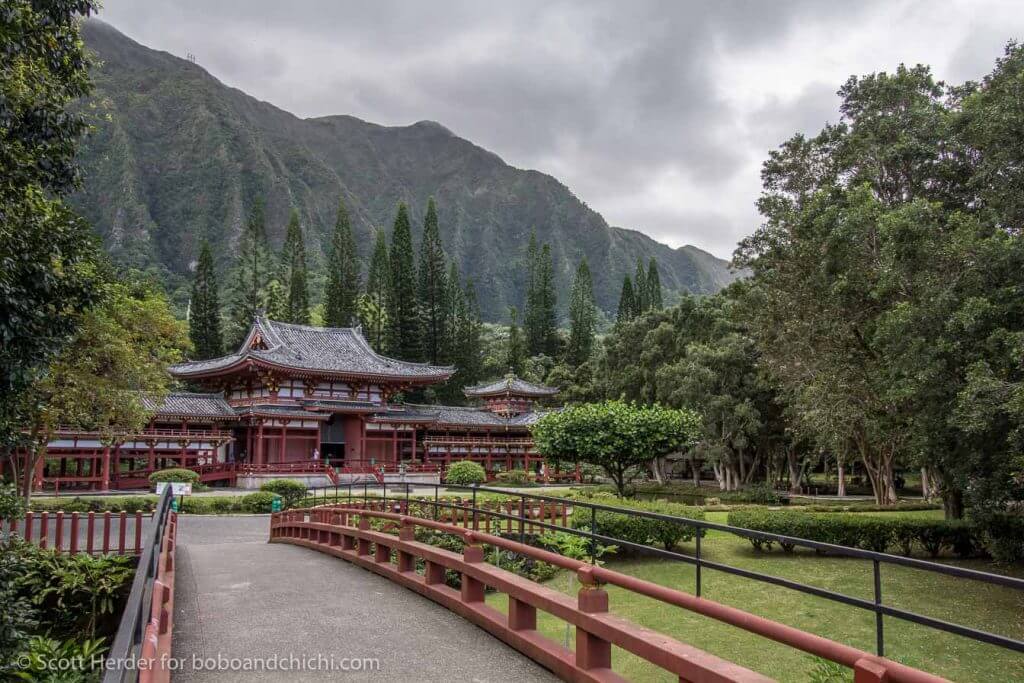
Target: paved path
239	596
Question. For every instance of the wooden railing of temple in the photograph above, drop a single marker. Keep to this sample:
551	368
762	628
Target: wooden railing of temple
89	532
345	532
492	516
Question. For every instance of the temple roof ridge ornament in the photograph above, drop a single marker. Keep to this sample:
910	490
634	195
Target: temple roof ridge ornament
510	385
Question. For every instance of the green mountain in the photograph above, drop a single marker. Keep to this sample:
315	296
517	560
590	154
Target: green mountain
175	156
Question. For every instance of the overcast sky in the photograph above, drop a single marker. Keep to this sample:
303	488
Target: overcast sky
656	114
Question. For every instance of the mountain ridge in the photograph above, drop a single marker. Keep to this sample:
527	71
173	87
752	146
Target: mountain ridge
176	156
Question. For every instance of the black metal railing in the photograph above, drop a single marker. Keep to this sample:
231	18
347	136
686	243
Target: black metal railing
132	629
342	494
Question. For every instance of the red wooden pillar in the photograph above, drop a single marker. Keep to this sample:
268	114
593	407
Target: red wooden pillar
151	461
259	443
105	476
414	443
284	439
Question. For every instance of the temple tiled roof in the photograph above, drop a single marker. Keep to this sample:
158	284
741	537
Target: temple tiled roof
512	386
280	411
455	416
183	404
330	350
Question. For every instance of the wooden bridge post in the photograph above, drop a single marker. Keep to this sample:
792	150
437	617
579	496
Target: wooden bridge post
364	545
592	652
472	553
406	561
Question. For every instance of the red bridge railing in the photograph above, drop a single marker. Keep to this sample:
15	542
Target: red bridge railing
344	531
73	532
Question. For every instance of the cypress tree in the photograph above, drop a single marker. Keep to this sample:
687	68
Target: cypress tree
204	309
548	301
627	302
252	272
582	316
640	300
533	315
471	343
515	352
342	296
293	258
403	307
275	301
433	289
654	286
373	305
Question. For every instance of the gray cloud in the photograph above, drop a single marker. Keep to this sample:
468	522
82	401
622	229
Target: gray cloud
656	113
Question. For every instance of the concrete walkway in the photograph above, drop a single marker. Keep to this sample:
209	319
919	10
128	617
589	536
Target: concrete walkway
238	597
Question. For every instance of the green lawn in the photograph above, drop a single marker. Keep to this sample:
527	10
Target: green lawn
974	604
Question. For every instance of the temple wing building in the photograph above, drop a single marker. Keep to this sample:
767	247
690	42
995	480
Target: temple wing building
302	400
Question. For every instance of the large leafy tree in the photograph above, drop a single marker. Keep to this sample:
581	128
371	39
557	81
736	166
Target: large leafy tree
48	257
342	295
435	306
582	316
403	305
97	383
293	260
204	309
619	437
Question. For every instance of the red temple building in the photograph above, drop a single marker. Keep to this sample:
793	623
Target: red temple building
305	401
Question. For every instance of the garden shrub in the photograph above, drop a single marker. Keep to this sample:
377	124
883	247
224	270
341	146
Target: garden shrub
1002	535
515	477
175	474
259	502
635	529
291	491
465	473
42	653
12	505
867	532
130	504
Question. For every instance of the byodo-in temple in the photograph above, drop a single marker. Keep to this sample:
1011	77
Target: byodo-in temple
307	402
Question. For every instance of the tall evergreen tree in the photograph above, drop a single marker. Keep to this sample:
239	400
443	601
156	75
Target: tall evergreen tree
640	299
275	300
582	316
204	309
471	343
433	289
252	273
342	296
533	310
515	352
373	305
403	307
654	298
293	257
541	301
627	302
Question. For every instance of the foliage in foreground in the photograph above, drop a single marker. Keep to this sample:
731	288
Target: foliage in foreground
465	473
291	491
635	529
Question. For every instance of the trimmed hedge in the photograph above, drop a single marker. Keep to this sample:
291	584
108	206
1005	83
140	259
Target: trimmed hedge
1002	535
465	473
130	504
259	502
291	491
633	529
176	474
867	532
517	477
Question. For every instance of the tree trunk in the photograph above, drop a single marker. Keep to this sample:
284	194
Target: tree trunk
795	471
953	503
696	471
841	466
926	485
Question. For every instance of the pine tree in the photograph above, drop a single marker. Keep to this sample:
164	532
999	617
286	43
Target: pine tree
342	295
433	289
373	305
403	307
654	286
532	314
275	300
293	258
470	335
515	353
582	316
204	309
252	272
640	299
627	302
463	347
548	302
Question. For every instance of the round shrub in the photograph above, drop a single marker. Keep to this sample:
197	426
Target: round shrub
259	502
291	491
465	473
175	474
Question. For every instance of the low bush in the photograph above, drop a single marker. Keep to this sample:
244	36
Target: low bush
259	502
1002	535
465	473
687	493
130	504
867	532
291	491
175	474
632	528
515	477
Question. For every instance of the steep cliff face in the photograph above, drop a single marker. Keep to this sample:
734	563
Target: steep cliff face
176	156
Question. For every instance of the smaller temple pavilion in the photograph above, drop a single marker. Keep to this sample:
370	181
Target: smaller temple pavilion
297	399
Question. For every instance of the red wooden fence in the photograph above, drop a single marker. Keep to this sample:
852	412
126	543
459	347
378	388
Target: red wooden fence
156	645
89	532
331	530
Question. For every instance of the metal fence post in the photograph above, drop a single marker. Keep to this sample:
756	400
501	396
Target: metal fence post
475	523
593	531
700	532
437	496
879	632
